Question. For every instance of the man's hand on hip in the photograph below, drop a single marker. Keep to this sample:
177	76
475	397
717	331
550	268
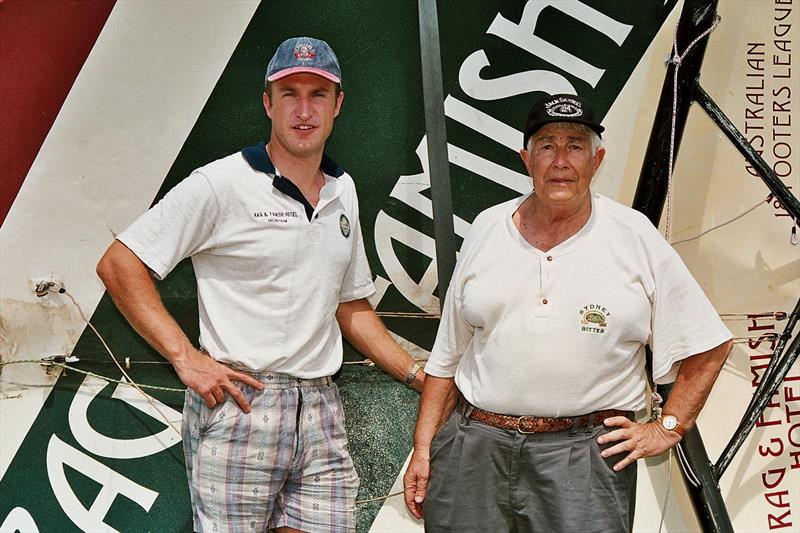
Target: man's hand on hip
211	379
639	440
415	481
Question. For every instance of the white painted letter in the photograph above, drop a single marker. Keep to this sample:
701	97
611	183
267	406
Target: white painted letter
408	190
469	77
100	444
59	454
522	35
420	294
19	519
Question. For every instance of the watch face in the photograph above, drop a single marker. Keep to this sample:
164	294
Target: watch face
669	422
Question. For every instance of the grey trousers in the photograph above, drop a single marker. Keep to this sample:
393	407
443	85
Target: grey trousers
486	479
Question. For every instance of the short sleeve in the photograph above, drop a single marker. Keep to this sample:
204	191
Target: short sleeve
357	282
179	226
684	322
455	333
452	338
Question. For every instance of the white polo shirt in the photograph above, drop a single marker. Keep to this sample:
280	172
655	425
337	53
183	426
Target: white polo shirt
562	333
269	280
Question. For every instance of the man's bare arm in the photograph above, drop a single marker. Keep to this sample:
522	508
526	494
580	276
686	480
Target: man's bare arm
362	327
695	380
128	282
437	402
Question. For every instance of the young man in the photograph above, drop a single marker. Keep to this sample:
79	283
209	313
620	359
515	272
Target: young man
275	241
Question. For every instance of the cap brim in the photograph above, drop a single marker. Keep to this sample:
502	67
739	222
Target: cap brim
308	70
597	128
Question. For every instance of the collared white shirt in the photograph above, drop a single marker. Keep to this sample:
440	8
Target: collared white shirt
269	280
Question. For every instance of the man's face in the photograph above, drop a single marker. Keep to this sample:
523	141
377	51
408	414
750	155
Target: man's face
302	108
561	163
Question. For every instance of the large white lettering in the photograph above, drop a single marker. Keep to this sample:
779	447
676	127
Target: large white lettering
522	34
113	484
408	190
420	294
469	78
19	519
100	444
482	123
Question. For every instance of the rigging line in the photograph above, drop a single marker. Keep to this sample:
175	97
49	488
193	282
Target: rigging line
50	363
737	217
763	336
368	362
777	315
676	60
133	383
379	498
65	366
669	488
154	387
401	314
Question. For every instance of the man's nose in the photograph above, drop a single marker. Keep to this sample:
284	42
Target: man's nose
560	158
304	108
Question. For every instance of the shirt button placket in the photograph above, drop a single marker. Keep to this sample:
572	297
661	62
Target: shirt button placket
546	282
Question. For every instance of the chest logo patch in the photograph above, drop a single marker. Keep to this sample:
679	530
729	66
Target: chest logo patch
344	225
276	217
594	318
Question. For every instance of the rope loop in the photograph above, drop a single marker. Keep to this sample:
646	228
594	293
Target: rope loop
676	60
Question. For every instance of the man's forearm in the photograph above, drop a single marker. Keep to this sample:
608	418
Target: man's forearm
438	399
362	328
695	379
134	293
132	289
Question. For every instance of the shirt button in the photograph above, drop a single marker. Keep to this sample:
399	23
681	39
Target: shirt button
549	257
544	301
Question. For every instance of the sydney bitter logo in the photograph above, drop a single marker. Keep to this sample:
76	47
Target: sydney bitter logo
594	318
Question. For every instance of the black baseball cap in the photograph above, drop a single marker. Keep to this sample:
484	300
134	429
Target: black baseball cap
560	108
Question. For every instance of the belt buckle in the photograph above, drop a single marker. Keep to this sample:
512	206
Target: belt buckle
519	425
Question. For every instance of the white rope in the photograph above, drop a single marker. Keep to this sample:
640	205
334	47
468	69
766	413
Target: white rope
734	219
669	488
132	383
378	498
110	353
676	60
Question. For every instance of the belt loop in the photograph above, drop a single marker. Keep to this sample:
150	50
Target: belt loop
589	424
466	411
574	429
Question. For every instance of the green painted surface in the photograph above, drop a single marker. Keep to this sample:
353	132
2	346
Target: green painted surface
375	137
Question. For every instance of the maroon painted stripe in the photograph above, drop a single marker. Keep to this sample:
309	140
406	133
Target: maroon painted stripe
44	46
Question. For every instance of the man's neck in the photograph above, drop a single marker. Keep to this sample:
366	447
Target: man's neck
546	226
303	171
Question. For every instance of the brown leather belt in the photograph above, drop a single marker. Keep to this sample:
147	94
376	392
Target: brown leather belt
539	424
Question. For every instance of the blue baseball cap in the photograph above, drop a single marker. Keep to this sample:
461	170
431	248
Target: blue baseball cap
304	54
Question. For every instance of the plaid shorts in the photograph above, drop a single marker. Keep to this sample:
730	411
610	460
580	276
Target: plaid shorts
285	464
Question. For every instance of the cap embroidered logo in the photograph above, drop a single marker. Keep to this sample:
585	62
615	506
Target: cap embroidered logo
304	51
564	108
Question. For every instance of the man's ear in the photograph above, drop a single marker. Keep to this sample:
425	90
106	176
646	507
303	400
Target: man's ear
267	104
339	100
526	157
598	158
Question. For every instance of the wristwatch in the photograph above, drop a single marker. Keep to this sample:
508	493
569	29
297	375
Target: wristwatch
412	373
670	423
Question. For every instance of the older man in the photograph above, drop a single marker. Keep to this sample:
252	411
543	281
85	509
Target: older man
275	241
543	334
